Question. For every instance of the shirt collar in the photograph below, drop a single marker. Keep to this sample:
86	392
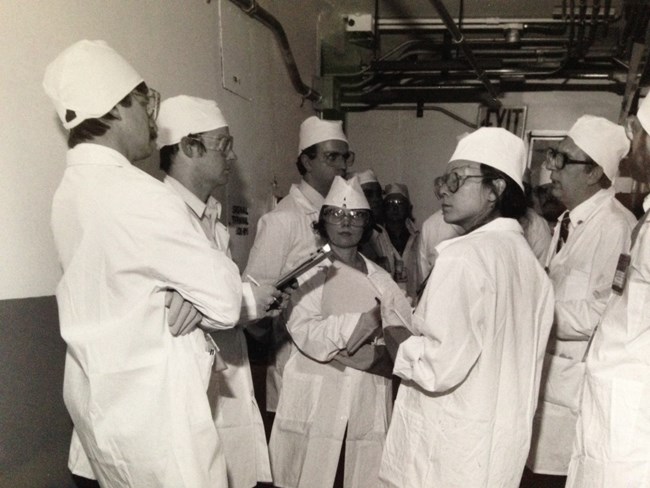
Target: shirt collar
310	193
646	203
95	154
191	200
583	211
498	224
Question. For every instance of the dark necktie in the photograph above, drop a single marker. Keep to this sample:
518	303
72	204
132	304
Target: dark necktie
564	232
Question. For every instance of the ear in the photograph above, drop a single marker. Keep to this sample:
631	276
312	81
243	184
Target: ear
498	187
186	147
306	162
631	125
593	176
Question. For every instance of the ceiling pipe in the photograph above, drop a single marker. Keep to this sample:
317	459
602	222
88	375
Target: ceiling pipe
252	9
459	40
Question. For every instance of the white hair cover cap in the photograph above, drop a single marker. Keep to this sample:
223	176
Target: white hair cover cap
495	147
346	194
184	115
643	113
603	141
397	189
314	130
88	78
367	176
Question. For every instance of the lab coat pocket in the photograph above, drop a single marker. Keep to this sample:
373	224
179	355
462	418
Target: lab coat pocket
574	287
298	400
562	381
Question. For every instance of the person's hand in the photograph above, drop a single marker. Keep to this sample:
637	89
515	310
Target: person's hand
368	327
182	317
265	296
394	335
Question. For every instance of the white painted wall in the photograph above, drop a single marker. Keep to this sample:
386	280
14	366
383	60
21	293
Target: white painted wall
175	45
405	149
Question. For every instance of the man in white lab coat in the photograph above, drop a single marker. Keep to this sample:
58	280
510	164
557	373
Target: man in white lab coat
285	236
196	152
135	389
590	235
612	447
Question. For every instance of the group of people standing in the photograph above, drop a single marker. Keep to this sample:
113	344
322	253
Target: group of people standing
514	346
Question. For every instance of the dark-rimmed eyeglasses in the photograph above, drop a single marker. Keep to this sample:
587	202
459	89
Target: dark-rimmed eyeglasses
453	181
557	160
332	158
223	144
153	101
356	218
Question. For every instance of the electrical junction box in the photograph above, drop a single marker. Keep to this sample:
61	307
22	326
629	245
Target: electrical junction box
359	23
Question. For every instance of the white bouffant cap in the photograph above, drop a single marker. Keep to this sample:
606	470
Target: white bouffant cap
314	130
184	115
346	194
87	80
494	147
603	141
643	114
367	176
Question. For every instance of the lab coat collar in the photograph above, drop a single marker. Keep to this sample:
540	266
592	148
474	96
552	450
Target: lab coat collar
587	208
646	203
95	154
307	197
191	200
498	224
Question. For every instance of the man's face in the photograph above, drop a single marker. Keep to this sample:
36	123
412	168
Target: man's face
140	125
570	183
325	166
373	192
640	153
397	208
214	164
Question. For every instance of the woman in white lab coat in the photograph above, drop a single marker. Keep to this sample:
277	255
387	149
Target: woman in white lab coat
471	369
328	394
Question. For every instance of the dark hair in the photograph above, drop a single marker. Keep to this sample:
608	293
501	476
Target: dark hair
167	153
96	127
319	227
512	201
311	152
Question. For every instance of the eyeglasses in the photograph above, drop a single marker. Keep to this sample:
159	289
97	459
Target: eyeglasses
223	144
357	218
153	101
556	160
453	181
332	158
396	202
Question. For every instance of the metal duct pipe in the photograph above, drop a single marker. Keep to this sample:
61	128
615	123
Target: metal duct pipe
252	9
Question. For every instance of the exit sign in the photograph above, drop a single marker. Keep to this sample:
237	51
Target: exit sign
509	118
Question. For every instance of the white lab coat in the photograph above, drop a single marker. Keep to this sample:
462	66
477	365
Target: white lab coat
136	394
582	275
471	372
236	414
612	448
322	401
285	237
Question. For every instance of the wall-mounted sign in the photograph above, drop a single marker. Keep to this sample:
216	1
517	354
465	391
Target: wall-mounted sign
509	118
239	219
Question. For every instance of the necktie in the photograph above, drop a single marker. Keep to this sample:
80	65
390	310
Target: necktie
564	231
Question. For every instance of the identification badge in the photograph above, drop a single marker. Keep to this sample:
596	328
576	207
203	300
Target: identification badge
620	276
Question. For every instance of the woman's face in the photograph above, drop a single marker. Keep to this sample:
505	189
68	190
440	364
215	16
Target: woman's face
472	202
344	227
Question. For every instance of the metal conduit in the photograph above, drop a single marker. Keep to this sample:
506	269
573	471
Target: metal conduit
459	40
252	9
